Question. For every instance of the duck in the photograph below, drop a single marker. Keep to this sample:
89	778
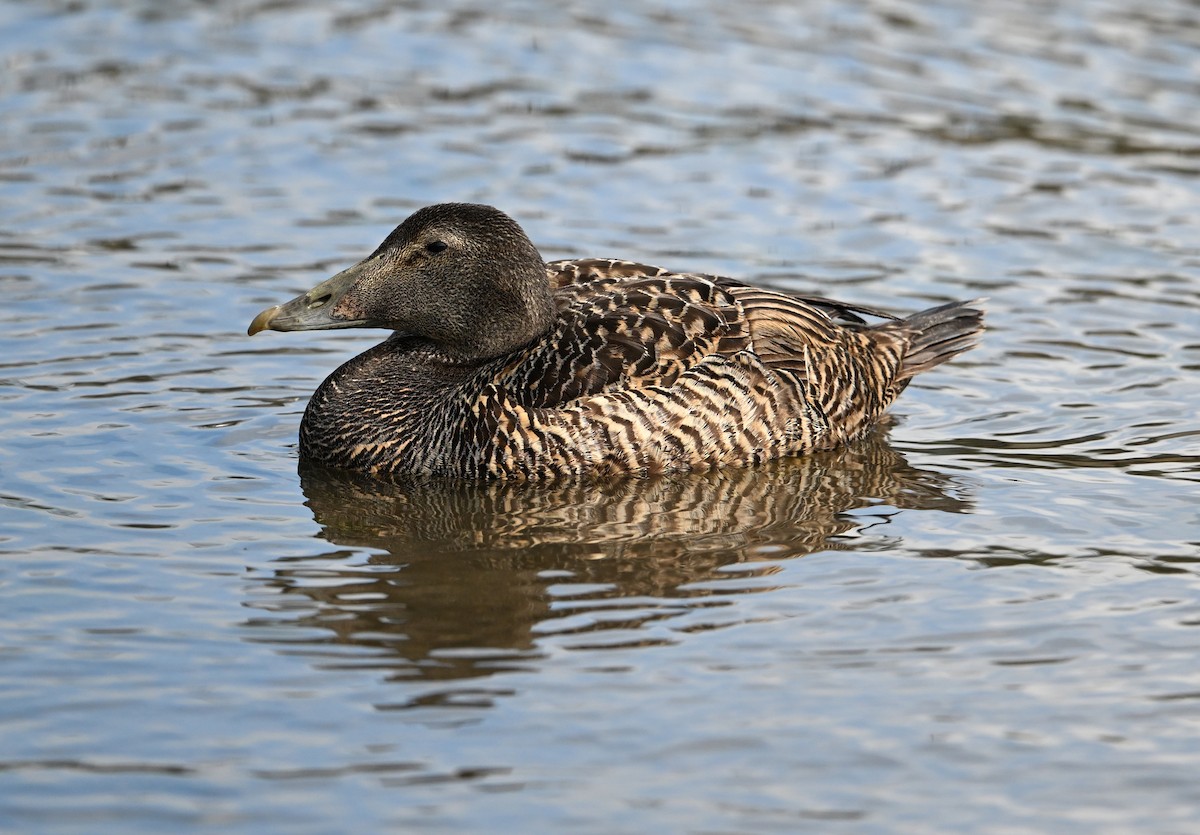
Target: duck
500	365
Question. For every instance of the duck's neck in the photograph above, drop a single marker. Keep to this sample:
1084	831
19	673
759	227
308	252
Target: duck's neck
399	403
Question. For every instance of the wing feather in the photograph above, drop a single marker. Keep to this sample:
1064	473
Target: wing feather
626	326
622	325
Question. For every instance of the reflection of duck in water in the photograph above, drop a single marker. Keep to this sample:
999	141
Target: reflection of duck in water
468	566
502	365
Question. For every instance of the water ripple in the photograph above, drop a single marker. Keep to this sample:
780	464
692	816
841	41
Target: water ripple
992	601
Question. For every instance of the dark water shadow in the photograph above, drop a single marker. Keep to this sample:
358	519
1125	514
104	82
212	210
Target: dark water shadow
460	579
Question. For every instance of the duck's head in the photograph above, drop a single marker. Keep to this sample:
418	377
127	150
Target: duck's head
463	277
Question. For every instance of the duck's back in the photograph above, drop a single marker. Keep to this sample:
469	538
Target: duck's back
615	332
649	371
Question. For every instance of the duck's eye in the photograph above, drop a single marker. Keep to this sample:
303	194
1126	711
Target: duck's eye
436	246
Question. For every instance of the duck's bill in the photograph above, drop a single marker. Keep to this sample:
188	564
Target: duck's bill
316	310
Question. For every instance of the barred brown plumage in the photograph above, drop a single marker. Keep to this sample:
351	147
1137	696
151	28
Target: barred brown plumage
503	366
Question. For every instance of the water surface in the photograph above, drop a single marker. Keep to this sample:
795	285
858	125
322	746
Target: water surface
981	618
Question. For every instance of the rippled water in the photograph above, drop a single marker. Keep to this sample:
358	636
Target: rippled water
983	618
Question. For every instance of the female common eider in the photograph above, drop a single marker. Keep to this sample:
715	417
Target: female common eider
501	365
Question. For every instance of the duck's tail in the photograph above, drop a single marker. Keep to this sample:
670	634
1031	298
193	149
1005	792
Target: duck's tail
938	334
